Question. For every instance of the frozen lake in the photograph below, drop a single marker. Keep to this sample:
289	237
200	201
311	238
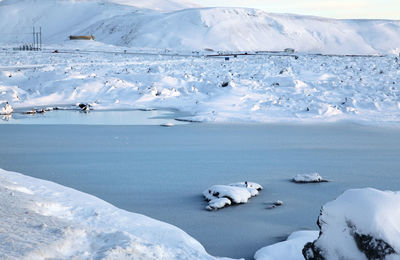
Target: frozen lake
95	117
161	172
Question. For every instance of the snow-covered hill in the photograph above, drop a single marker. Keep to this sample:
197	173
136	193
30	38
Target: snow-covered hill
176	24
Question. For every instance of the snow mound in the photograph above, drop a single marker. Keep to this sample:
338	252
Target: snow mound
308	178
6	109
44	220
289	249
364	223
219	196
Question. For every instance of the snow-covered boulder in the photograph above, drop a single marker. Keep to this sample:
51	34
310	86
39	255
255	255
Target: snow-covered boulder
289	249
6	109
359	224
219	196
218	203
308	178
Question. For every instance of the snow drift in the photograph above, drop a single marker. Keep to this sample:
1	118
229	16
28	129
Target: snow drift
177	25
44	220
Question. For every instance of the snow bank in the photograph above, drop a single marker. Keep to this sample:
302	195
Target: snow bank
152	24
363	223
219	196
308	178
43	220
291	249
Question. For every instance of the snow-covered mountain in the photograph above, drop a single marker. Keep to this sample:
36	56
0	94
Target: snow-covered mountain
179	24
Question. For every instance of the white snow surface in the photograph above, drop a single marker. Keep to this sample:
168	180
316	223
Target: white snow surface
177	24
44	220
261	88
291	249
365	211
219	196
6	109
305	178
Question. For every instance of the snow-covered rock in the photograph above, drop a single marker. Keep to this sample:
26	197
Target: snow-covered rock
308	178
219	196
218	203
359	224
43	220
291	249
6	109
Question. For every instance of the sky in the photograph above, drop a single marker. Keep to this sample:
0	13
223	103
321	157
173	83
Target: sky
379	9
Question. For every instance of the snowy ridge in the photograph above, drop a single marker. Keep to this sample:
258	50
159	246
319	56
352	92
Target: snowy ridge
41	220
167	24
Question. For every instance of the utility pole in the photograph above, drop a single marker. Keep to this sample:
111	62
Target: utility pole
33	36
37	39
40	28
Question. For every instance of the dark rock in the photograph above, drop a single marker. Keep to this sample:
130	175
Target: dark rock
310	252
225	84
373	248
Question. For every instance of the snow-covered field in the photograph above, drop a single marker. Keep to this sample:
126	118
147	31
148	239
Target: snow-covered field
252	88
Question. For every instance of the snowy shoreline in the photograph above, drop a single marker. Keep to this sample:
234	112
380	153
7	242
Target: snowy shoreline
41	219
260	89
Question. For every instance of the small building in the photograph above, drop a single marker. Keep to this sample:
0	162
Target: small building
289	50
82	37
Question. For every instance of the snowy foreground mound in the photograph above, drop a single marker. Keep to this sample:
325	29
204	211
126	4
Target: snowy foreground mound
363	223
177	25
43	220
289	249
219	196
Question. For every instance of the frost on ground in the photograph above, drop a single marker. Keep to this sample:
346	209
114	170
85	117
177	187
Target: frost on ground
262	88
290	249
219	196
308	178
43	220
363	223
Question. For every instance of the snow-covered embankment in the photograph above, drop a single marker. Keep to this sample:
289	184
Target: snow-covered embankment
41	220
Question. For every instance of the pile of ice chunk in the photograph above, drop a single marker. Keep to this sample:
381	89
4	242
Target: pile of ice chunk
363	223
219	196
308	178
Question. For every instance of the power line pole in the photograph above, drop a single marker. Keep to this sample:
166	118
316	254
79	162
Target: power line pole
40	28
33	36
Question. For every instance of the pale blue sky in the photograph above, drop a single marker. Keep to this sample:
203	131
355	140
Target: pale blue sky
388	9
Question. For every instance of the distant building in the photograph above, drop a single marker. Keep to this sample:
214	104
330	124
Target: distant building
289	50
82	37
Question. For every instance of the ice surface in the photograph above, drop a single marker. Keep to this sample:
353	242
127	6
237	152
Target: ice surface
161	172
